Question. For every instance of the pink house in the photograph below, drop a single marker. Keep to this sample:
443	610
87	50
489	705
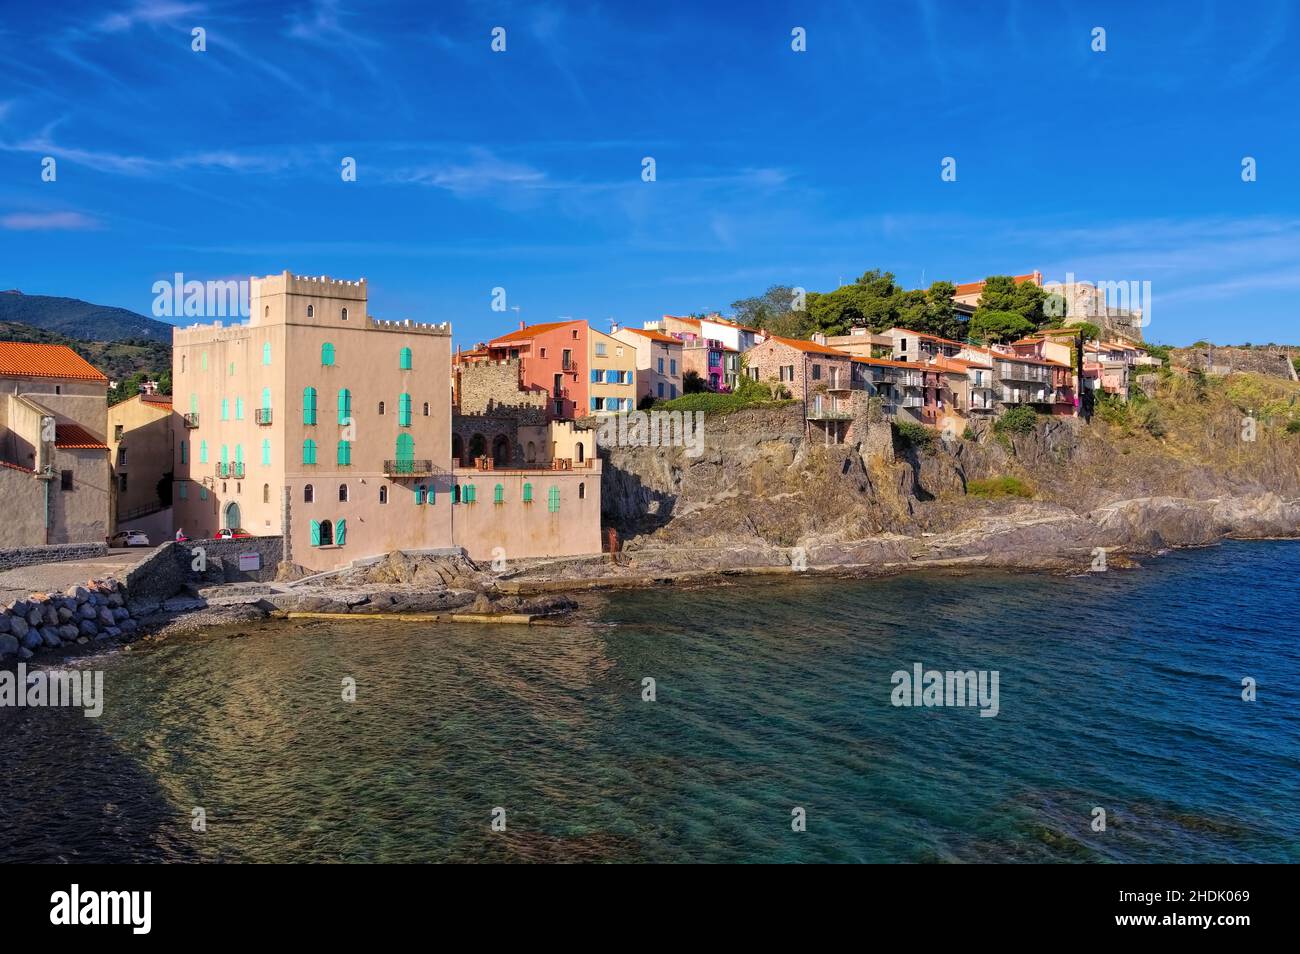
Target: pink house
553	358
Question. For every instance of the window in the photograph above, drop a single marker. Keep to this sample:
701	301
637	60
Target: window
225	409
266	399
528	493
786	372
182	364
203	492
468	494
311	311
266	352
498	494
203	361
121	482
266	312
117	432
232	369
419	494
902	344
266	452
597	404
404	359
426	408
309	405
553	500
405	453
183	490
343	493
239	409
309	451
661	365
672	390
817	372
404	410
455	493
600	349
381	408
582	491
661	389
340	532
308	494
383	495
345	454
345	406
266	493
203	452
121	457
543	353
65	480
672	367
344	314
327	355
595	376
185	452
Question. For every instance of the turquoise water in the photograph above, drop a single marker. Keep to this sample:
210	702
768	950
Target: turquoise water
1119	691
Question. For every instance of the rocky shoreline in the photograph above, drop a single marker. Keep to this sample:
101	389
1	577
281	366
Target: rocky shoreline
1035	537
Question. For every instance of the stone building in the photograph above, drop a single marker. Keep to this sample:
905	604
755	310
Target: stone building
658	363
141	449
54	472
802	368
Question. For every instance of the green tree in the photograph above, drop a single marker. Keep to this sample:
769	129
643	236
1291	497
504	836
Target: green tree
999	326
1001	293
774	312
692	383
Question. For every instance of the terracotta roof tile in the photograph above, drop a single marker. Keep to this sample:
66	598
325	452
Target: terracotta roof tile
24	359
810	346
654	335
970	288
532	331
76	437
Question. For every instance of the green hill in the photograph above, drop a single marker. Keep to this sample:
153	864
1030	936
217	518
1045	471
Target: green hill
81	319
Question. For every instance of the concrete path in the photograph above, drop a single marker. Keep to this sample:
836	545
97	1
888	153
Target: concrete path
57	577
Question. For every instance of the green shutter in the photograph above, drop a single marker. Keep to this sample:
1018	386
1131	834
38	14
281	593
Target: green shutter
203	452
315	533
309	451
345	453
225	409
309	405
405	360
404	410
419	494
405	453
185	457
341	532
266	453
345	406
239	409
327	354
266	352
528	493
266	399
553	500
499	494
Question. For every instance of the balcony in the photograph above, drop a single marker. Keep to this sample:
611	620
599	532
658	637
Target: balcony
192	419
410	468
262	415
912	400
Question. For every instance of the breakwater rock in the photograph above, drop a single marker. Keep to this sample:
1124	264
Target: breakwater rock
94	612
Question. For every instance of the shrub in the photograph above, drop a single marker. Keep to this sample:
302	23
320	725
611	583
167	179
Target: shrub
712	403
1293	426
912	434
999	487
1018	420
968	434
1147	416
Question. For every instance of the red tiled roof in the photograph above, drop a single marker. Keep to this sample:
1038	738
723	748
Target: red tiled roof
155	398
688	321
959	365
23	359
970	288
654	335
922	334
810	346
76	437
25	470
532	331
887	362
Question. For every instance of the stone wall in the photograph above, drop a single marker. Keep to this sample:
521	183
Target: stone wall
492	387
1274	362
14	557
172	566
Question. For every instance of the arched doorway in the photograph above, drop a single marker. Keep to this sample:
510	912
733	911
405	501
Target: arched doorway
457	450
230	521
501	450
477	447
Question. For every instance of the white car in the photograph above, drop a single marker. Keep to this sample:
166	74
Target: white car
128	538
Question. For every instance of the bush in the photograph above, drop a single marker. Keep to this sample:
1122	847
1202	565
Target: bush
999	487
1147	416
912	434
1018	420
712	403
968	434
1293	426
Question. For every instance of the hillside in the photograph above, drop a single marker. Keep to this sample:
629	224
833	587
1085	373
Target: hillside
117	359
81	320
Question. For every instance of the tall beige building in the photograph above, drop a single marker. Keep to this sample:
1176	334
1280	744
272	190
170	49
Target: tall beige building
320	423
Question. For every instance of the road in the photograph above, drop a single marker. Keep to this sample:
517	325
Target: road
57	577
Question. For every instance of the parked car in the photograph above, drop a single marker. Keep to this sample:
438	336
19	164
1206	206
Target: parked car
128	538
238	533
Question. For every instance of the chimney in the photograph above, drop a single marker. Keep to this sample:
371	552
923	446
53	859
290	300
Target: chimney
613	327
819	338
521	324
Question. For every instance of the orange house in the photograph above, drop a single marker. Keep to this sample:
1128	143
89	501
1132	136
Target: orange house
553	358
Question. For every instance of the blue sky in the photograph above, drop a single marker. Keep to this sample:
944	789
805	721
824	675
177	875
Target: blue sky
522	169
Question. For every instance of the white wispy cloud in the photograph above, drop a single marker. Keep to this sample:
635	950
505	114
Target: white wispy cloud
49	222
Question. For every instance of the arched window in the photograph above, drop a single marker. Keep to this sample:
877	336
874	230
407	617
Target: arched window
266	493
343	493
381	408
426	408
309	451
532	452
345	406
311	311
579	450
528	493
553	500
383	495
404	359
457	451
326	533
404	410
308	494
309	405
344	458
498	494
582	489
327	354
266	352
344	314
182	364
266	312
